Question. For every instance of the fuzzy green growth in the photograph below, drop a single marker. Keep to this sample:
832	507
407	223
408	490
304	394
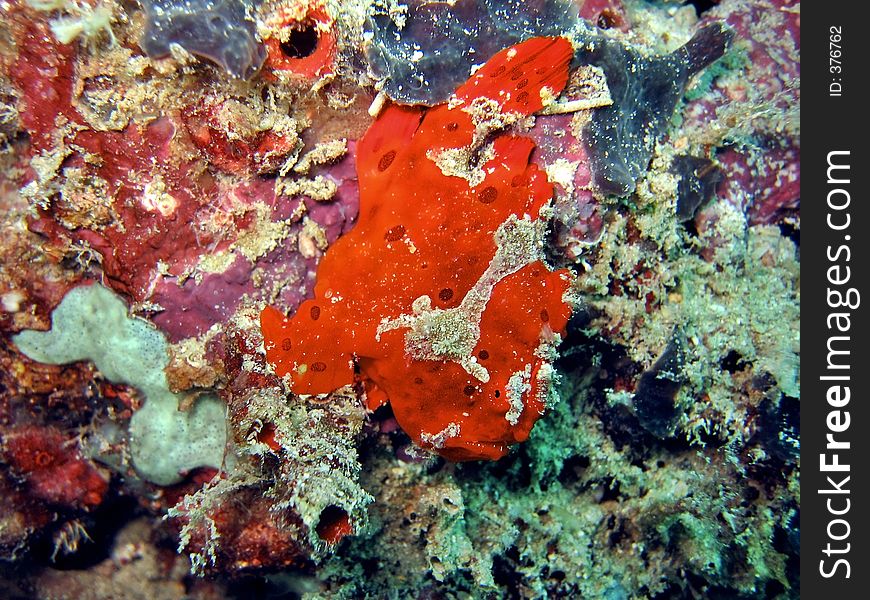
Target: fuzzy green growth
734	59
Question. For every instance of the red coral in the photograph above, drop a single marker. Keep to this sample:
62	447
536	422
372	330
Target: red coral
43	72
430	294
53	470
153	206
252	534
161	207
230	145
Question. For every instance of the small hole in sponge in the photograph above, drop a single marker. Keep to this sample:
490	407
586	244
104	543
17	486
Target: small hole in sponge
469	390
318	367
334	524
301	43
267	436
483	355
609	18
315	313
43	459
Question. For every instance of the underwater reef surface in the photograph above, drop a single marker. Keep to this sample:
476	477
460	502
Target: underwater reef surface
369	298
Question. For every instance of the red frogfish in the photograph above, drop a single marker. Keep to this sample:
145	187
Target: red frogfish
439	296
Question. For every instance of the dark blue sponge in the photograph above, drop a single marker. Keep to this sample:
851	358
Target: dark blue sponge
222	31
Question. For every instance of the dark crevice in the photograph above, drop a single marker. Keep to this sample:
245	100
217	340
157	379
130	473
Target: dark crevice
301	43
702	6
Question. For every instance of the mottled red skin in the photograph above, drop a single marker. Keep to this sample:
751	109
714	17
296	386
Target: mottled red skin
422	233
51	467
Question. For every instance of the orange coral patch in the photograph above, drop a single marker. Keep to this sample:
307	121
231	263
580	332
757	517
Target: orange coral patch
310	47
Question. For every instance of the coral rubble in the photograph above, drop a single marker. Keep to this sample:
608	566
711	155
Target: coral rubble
370	298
